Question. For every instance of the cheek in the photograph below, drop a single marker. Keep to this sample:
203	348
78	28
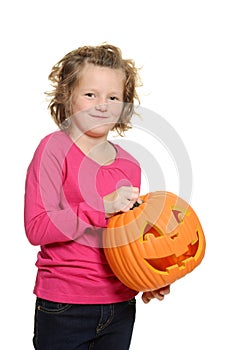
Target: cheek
79	105
115	109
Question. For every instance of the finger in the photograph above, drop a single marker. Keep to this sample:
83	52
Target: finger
147	296
160	293
129	192
135	189
145	299
133	196
156	294
129	206
139	201
165	290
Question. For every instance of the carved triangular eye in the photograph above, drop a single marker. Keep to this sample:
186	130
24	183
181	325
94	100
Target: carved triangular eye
177	214
151	230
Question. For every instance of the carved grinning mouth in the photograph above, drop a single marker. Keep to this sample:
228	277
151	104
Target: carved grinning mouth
162	264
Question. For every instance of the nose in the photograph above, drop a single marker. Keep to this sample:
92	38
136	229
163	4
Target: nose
102	106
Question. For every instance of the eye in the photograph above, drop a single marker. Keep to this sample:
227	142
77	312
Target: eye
113	98
90	94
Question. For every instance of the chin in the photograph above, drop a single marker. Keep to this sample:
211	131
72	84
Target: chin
99	131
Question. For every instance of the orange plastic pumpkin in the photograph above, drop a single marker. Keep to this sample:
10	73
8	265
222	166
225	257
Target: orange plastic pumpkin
156	243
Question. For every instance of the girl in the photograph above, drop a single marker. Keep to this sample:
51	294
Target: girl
76	180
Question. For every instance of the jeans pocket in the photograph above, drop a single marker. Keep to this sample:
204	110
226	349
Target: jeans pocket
51	307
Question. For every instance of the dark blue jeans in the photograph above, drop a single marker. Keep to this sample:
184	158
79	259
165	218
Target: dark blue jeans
83	327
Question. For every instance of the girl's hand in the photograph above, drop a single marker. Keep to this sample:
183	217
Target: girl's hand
158	293
121	200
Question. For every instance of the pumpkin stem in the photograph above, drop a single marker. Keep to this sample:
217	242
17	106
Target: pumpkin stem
135	205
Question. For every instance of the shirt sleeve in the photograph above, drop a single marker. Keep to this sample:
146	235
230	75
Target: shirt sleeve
47	215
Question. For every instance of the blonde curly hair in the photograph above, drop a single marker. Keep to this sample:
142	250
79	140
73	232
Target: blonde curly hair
65	75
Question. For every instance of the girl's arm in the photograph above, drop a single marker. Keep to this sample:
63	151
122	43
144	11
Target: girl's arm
48	216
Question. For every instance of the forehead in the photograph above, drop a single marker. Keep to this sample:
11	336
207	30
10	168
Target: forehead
93	75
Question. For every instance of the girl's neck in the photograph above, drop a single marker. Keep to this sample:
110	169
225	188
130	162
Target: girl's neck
97	148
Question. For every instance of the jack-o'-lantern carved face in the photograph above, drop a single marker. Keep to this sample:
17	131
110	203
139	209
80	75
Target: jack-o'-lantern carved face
156	243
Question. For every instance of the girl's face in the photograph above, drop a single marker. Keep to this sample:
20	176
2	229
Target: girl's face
97	100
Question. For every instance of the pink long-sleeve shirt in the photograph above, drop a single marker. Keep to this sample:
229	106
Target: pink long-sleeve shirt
64	215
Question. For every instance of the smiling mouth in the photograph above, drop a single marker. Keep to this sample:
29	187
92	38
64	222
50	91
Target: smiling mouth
99	116
163	264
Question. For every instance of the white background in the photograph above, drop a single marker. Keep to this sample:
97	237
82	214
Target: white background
186	50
